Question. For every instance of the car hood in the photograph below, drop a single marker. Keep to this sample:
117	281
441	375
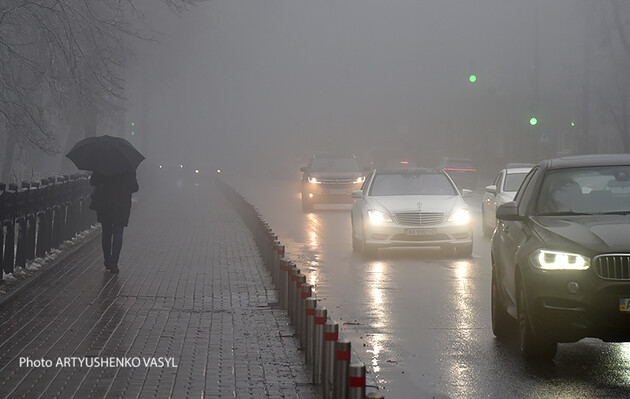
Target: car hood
336	175
601	233
409	203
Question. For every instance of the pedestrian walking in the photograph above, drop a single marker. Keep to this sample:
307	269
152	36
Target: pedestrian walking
113	161
111	200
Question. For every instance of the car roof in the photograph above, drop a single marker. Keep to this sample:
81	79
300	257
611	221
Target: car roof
325	156
586	160
509	171
407	171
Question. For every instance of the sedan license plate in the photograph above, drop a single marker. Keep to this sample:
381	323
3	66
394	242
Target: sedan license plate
339	192
624	304
421	232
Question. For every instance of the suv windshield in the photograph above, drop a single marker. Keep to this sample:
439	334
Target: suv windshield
412	184
593	190
335	165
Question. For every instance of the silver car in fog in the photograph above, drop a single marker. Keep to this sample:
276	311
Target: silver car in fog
410	208
502	190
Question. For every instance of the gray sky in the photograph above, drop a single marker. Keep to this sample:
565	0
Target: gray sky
237	79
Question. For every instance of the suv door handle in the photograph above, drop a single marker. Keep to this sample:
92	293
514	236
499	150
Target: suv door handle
505	228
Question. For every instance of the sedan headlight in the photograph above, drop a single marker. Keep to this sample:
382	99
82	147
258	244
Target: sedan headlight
558	260
378	217
360	179
313	180
460	216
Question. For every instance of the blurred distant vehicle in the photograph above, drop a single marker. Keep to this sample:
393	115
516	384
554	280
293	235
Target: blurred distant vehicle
390	158
500	191
330	179
561	255
179	174
462	171
410	207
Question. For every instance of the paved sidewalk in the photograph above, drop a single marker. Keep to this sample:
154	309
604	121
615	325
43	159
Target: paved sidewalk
192	291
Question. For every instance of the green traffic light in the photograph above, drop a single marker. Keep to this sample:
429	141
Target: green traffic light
472	78
572	124
133	123
133	133
533	121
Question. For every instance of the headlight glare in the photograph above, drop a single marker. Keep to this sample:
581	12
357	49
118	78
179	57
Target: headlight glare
378	217
313	180
360	179
460	216
558	260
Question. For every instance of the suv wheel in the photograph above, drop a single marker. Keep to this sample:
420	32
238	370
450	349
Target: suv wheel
464	251
533	347
307	205
500	319
356	243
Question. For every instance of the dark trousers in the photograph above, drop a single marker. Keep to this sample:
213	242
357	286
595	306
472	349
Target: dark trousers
112	241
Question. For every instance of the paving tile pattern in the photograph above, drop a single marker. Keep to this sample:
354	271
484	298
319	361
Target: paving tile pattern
191	289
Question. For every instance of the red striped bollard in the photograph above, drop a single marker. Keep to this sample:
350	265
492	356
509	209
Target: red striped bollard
299	316
342	362
282	282
356	381
293	272
279	256
331	335
309	310
321	314
307	292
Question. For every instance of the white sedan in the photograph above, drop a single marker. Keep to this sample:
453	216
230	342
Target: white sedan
410	207
502	190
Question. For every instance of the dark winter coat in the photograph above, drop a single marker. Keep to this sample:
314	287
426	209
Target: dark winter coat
112	197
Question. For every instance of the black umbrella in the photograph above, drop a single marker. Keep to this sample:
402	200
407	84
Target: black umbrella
106	155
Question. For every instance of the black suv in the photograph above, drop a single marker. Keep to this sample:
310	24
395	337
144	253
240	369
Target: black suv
330	179
561	255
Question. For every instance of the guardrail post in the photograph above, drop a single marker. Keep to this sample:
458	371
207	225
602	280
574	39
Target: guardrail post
356	381
321	314
374	395
331	335
293	272
299	310
309	310
342	361
282	283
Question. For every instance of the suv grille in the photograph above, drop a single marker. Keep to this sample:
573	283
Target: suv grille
337	181
420	218
613	266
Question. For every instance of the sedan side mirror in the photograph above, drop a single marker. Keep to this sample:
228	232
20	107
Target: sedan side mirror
491	189
303	169
508	211
466	192
357	194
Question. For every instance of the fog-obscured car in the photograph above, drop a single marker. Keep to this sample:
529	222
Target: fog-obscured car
330	179
410	208
561	255
462	171
502	190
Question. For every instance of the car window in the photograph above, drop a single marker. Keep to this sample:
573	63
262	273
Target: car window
411	184
591	190
513	181
335	165
525	191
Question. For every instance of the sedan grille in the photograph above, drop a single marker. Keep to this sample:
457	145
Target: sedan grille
420	218
337	181
613	266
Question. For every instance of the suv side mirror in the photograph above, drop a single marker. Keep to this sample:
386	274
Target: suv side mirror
357	194
466	192
303	169
491	189
508	211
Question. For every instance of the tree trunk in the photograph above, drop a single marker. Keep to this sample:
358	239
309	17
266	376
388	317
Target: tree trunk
7	161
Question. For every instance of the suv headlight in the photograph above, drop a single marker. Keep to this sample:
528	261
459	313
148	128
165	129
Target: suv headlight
313	180
558	260
360	179
460	216
378	217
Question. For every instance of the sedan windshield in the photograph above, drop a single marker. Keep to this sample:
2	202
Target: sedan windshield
513	181
594	190
412	184
335	165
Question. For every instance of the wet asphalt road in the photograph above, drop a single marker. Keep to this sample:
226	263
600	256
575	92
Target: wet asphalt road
421	322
